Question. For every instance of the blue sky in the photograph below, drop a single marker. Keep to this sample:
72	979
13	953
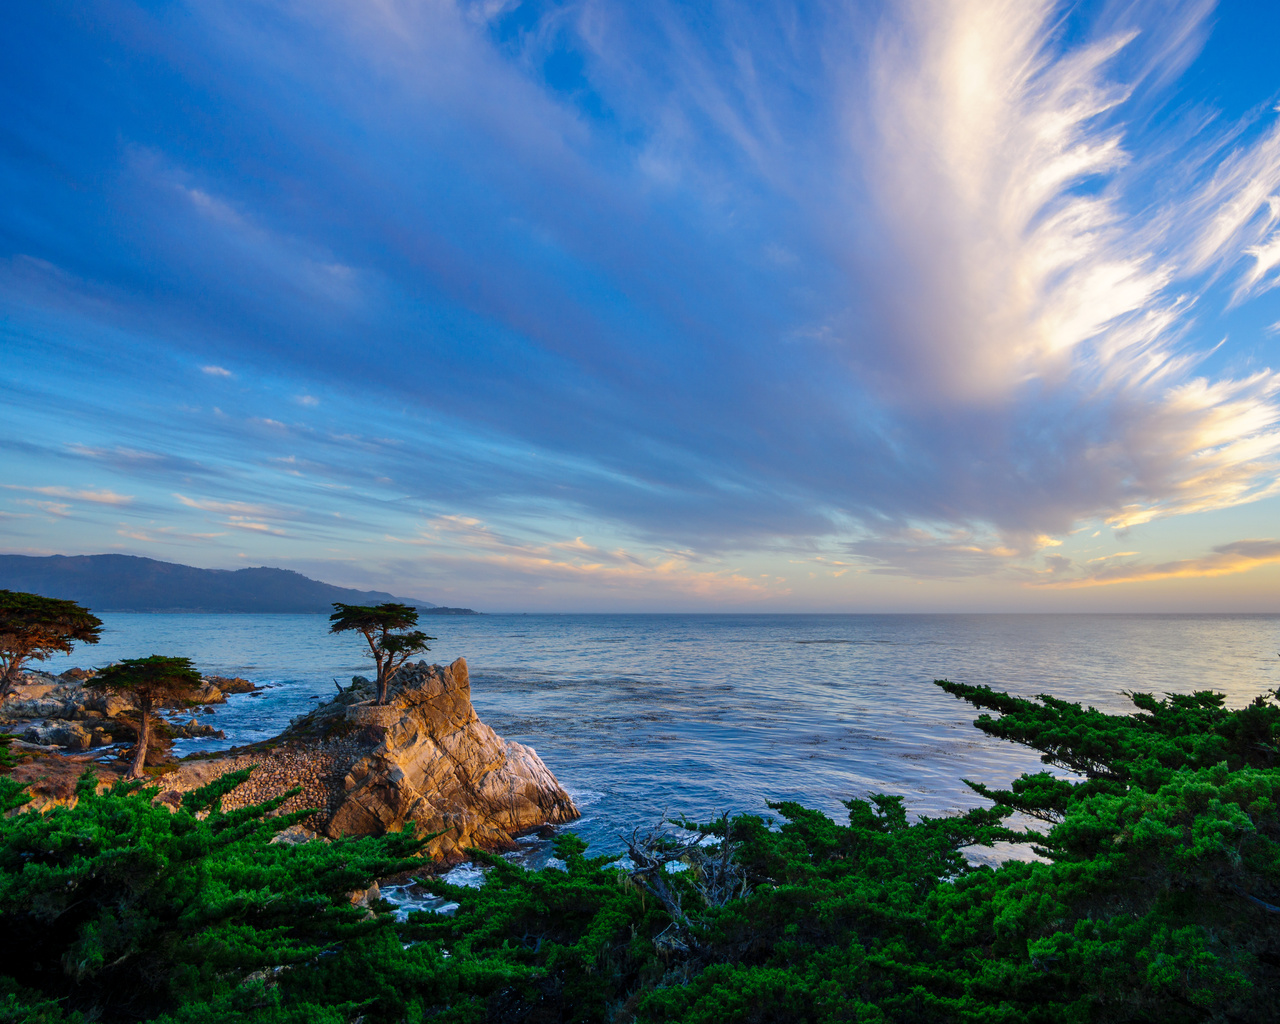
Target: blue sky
938	305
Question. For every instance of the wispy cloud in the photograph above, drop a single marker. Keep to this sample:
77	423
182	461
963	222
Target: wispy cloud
98	497
241	508
54	508
469	541
1225	560
923	283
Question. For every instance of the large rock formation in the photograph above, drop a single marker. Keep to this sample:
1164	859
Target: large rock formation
425	761
443	769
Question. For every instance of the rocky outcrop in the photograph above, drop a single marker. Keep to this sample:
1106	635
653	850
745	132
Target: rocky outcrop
424	761
441	768
62	714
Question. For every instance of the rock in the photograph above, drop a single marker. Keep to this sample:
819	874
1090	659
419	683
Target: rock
114	704
363	897
295	834
426	759
231	684
38	733
34	677
442	769
62	734
28	690
194	730
77	675
38	707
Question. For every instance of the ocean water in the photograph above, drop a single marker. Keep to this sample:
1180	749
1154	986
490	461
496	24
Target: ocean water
641	716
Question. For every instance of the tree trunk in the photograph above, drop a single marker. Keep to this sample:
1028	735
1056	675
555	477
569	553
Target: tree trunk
10	675
144	737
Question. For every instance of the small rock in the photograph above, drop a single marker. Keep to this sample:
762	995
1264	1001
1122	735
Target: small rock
78	675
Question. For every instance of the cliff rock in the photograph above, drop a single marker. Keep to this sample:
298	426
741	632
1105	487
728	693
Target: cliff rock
441	768
424	761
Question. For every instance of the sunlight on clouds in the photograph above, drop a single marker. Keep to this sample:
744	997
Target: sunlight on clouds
1007	272
471	542
1226	560
920	285
54	508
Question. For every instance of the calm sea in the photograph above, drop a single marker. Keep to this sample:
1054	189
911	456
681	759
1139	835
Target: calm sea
641	715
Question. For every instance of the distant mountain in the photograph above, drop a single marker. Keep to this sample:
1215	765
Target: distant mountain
126	583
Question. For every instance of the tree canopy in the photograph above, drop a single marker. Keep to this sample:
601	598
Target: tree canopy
121	909
386	628
1155	898
152	682
34	628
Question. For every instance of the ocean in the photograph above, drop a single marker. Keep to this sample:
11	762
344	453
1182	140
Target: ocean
641	716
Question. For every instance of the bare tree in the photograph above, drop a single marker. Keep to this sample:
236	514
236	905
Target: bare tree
711	869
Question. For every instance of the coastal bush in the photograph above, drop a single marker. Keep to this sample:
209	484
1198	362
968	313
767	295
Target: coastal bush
1157	898
120	909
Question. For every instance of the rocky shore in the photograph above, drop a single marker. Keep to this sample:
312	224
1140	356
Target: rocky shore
59	714
424	761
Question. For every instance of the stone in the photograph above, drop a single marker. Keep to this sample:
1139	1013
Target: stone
424	761
78	675
439	768
208	694
231	684
71	735
114	704
38	707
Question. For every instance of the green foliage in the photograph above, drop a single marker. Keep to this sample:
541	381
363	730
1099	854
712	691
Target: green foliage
121	908
1158	900
152	683
35	627
385	628
8	759
156	679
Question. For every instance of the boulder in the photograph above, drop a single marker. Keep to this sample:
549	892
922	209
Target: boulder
208	693
71	735
231	684
38	707
78	675
437	767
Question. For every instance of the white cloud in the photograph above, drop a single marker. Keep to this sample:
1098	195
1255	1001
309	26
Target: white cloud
216	371
98	497
242	508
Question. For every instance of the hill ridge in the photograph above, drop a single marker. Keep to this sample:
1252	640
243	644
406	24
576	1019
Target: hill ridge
133	583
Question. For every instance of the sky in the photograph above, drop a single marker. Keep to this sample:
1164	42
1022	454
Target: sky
923	305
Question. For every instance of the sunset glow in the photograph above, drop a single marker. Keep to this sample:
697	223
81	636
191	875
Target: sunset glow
943	305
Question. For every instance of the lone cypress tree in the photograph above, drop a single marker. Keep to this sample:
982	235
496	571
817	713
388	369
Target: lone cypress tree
34	627
152	682
386	628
